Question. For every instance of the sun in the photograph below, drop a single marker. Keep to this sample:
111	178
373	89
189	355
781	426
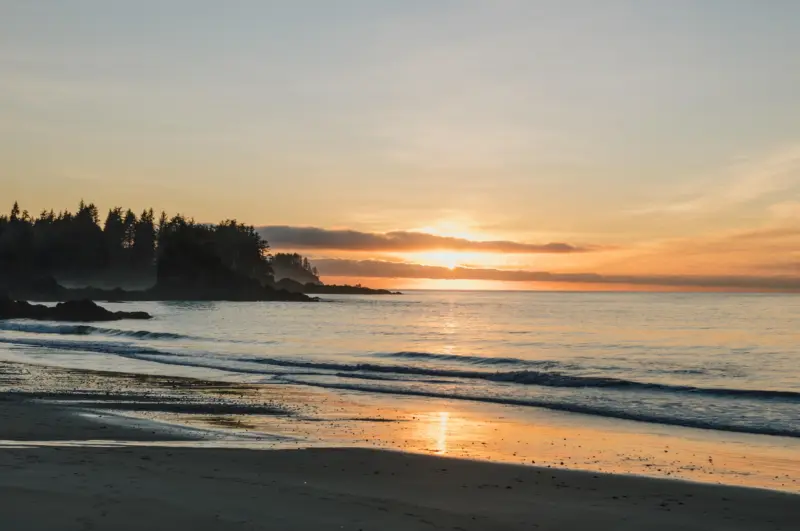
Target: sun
448	259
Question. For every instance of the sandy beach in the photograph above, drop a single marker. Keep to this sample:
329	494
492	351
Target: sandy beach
168	485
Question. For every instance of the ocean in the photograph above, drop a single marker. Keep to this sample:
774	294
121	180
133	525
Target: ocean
724	362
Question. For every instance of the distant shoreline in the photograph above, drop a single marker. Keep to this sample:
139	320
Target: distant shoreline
183	259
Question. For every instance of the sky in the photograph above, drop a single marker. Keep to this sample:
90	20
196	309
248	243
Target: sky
528	144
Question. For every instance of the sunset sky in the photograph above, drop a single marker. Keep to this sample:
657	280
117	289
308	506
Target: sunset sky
502	144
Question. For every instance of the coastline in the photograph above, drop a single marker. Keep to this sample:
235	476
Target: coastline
137	486
209	409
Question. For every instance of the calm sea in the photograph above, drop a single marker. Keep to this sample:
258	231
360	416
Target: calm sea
728	362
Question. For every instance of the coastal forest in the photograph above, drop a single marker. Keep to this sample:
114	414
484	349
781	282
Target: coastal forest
125	248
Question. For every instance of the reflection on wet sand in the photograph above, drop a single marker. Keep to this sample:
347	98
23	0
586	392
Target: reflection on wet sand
286	416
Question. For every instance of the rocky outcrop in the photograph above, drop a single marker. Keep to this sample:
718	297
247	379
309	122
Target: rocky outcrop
330	289
191	271
79	311
346	289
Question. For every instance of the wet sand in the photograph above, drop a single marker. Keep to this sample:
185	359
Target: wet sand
142	476
214	412
71	487
288	416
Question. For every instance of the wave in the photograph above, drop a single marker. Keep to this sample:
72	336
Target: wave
571	408
99	347
385	374
143	334
528	377
85	330
542	364
473	360
518	377
374	377
137	352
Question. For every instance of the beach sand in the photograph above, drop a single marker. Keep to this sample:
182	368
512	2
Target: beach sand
70	486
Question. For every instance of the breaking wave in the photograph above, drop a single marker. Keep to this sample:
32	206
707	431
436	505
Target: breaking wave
85	330
473	360
541	378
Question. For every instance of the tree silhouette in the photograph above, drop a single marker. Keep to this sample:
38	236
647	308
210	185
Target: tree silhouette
144	241
67	244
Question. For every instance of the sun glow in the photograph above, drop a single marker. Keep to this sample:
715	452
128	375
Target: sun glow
451	229
441	435
454	259
448	259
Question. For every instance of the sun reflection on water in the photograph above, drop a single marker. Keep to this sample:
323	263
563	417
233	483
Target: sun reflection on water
441	436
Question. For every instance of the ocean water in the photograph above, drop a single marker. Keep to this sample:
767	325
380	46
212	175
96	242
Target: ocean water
727	362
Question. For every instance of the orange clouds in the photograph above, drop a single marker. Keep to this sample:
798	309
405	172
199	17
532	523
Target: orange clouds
401	241
380	269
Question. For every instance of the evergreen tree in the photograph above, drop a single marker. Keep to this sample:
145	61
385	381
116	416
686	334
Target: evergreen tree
67	244
144	240
114	235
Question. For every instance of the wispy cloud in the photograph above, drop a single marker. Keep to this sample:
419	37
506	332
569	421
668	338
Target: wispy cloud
750	252
286	237
381	269
744	182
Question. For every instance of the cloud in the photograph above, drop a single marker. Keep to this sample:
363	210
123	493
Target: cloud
376	268
785	210
767	234
745	182
280	236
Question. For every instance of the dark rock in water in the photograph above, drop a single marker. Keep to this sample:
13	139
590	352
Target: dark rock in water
86	310
81	311
330	289
346	289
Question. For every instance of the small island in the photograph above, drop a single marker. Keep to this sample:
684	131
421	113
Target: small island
79	311
69	256
295	273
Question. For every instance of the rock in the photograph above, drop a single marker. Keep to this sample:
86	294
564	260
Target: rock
319	288
81	311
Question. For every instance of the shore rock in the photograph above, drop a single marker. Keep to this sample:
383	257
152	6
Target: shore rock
78	311
293	286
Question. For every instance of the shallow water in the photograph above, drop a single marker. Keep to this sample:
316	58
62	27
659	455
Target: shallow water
727	362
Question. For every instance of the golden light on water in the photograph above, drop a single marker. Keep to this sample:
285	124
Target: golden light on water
441	434
433	430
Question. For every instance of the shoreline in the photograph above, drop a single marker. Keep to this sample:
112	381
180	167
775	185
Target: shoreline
166	485
207	409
